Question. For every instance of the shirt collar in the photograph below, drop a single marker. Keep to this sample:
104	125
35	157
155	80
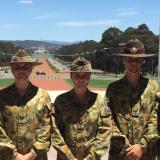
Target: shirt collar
89	97
30	93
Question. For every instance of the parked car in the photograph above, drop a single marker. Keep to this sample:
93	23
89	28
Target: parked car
40	72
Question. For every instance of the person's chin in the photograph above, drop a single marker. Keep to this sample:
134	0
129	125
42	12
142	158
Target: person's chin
82	86
133	70
22	78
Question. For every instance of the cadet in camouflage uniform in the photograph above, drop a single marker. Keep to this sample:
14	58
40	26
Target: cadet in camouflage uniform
133	103
24	114
83	121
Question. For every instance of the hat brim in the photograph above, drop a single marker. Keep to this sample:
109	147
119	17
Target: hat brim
143	55
8	64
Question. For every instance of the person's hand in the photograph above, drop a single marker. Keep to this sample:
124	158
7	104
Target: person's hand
18	157
134	152
29	156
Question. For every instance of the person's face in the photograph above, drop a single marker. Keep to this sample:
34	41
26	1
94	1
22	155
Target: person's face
133	64
21	71
80	79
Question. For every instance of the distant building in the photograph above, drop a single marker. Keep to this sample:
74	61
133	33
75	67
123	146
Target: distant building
41	51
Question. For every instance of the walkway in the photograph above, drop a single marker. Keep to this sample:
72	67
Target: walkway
50	81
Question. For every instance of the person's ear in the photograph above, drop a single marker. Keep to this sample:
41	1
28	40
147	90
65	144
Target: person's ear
144	61
11	66
32	67
71	75
124	59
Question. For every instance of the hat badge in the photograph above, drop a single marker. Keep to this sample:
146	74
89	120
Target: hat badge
133	50
83	68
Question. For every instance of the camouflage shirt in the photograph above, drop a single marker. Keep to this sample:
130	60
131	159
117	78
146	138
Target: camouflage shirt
24	122
134	110
84	129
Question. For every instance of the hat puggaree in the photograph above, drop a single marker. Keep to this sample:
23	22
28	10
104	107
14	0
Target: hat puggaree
80	64
134	48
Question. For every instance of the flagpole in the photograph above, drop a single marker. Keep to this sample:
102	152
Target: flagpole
159	54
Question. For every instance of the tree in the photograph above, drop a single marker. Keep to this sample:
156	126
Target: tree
143	29
112	41
111	37
6	51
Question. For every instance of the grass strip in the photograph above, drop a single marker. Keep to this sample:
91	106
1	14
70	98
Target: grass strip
94	83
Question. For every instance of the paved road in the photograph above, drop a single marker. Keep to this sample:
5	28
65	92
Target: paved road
52	154
50	81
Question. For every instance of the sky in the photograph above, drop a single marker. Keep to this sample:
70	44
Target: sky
73	20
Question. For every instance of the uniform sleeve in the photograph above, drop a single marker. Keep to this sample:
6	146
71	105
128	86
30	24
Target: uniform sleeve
151	131
101	143
56	138
116	133
42	143
5	142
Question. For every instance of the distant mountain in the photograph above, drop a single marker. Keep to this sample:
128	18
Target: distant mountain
34	45
63	42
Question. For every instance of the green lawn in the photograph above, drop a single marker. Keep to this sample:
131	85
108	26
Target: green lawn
6	82
105	83
52	66
94	83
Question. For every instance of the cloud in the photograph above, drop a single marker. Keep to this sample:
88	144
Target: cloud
45	17
88	23
8	26
127	11
26	1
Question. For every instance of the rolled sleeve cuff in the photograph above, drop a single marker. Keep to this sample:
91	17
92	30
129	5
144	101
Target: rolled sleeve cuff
143	144
15	154
34	152
38	146
90	156
68	153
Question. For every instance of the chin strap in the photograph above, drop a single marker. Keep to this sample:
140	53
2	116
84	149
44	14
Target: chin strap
137	69
24	78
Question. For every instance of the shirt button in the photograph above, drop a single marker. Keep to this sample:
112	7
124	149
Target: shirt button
130	131
80	122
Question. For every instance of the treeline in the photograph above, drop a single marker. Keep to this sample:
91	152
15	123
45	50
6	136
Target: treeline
34	45
6	51
112	41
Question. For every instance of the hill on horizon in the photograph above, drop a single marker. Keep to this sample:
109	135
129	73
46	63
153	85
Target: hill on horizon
35	44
